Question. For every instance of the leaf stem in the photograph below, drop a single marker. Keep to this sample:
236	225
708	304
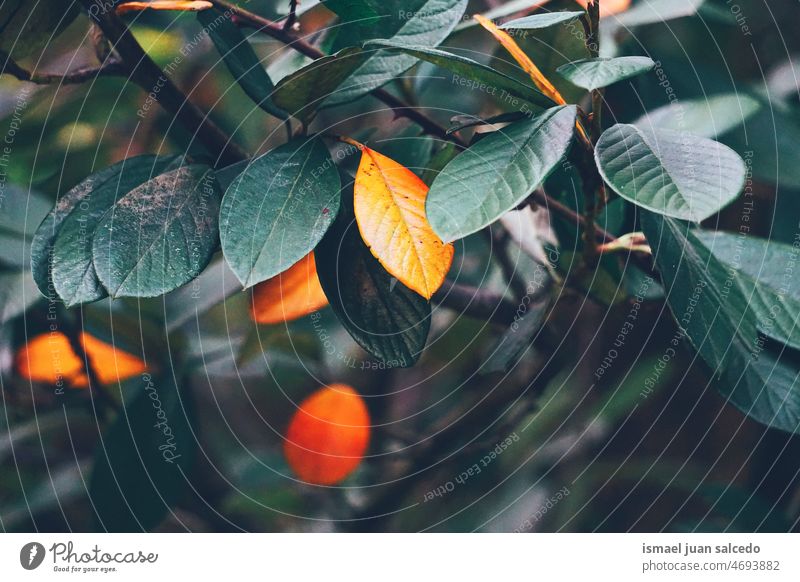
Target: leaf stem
96	388
592	183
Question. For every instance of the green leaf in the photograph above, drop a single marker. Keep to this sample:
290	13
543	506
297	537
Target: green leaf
655	11
160	235
497	173
141	465
73	271
303	92
93	195
420	22
278	209
544	20
676	174
772	137
722	325
500	11
27	27
764	272
471	74
241	59
384	317
593	74
707	117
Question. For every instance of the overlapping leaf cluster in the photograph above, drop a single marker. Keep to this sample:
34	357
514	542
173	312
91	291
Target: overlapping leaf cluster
381	240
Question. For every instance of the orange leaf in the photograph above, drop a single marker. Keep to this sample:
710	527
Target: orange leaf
390	211
294	293
328	435
49	358
544	85
163	5
609	7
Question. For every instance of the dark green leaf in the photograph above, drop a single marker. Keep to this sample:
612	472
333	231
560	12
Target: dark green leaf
241	59
74	276
472	74
421	22
95	194
772	137
278	209
672	173
302	92
27	27
160	235
387	319
597	73
498	172
765	273
722	325
141	465
543	20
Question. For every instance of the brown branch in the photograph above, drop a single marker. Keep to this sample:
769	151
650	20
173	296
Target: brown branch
111	68
149	76
288	38
291	19
592	183
542	199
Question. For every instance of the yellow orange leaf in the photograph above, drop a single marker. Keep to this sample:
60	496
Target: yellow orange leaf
542	82
609	7
390	211
294	293
195	6
50	358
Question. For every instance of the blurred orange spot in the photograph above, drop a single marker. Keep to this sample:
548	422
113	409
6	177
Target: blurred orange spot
126	7
49	358
609	7
294	293
328	435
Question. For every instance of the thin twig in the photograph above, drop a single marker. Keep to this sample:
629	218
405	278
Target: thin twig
111	68
291	19
592	184
475	302
149	76
400	107
542	199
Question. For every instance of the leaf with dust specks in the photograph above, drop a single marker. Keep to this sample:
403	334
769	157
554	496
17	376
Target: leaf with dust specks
160	235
